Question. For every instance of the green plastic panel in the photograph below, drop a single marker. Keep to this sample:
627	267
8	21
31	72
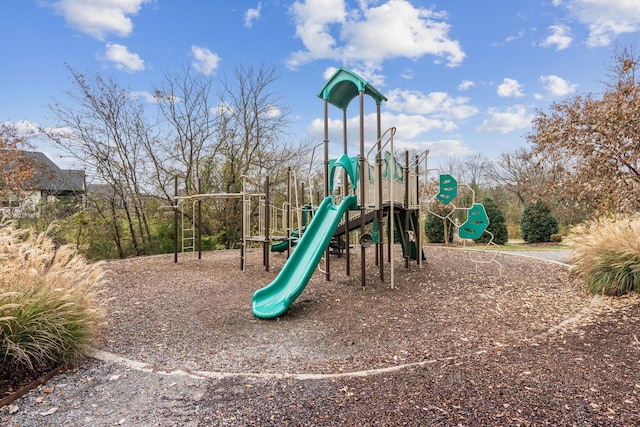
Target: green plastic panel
477	221
350	165
375	230
283	245
390	166
448	189
344	86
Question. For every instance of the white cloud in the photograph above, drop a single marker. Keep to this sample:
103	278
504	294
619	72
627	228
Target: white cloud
407	74
251	15
560	37
466	85
24	128
519	35
436	104
120	56
442	148
313	19
329	72
204	61
371	35
271	112
510	88
410	128
99	17
506	121
147	97
557	86
605	18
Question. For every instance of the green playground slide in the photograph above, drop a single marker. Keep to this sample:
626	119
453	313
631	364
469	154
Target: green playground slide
283	245
274	299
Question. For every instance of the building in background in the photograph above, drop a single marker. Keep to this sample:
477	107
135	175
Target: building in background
46	184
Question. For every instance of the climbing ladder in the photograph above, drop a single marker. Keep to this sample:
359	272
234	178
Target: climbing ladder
188	230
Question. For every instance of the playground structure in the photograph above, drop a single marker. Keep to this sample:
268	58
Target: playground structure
370	191
376	195
272	223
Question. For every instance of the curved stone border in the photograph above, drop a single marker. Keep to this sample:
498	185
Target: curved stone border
108	357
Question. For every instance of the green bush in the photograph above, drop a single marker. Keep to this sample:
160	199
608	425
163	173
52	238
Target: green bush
497	224
537	223
210	243
48	301
606	254
434	226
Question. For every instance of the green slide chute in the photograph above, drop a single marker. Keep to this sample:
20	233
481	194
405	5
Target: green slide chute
274	299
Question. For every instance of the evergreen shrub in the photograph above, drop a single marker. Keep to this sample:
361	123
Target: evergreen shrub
434	226
538	224
497	224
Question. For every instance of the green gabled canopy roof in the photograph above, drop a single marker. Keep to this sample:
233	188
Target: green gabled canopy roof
345	85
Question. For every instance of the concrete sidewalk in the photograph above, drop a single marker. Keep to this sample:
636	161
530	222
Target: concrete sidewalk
562	256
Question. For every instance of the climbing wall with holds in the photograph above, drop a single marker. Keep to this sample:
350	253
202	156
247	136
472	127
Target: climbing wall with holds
476	223
477	219
448	189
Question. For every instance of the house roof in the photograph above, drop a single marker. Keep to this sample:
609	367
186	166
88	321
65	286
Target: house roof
49	177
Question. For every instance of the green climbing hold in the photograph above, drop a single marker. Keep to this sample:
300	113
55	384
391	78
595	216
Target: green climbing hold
477	221
448	188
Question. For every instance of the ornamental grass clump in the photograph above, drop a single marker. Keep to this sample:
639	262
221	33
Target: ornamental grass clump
606	254
49	306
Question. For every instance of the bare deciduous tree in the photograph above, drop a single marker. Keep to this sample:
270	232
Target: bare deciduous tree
106	130
184	102
519	173
469	170
252	139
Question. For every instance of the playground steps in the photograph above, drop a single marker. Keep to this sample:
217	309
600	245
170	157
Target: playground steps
354	223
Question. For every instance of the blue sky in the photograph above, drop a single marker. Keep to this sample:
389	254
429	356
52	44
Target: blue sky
461	76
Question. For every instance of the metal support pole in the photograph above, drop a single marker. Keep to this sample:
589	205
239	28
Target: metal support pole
407	214
327	266
243	236
418	226
363	257
175	219
288	212
347	190
267	219
380	245
199	220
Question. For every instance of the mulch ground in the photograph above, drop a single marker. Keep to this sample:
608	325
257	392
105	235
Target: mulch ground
469	339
